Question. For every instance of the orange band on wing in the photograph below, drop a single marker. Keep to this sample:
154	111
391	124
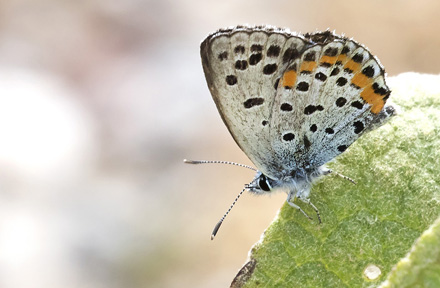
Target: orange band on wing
361	80
331	60
289	78
353	66
372	98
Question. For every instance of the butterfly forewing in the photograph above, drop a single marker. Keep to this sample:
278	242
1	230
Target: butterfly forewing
242	67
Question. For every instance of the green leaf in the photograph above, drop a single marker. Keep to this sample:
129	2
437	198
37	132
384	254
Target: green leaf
421	268
374	223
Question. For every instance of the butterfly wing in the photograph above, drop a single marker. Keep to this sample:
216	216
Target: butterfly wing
242	67
293	103
325	100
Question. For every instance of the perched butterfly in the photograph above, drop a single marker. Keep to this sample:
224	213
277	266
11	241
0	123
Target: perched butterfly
292	102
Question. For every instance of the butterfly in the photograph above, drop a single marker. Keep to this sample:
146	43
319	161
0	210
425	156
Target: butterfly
292	102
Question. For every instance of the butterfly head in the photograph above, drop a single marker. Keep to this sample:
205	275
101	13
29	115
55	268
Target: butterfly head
297	182
261	184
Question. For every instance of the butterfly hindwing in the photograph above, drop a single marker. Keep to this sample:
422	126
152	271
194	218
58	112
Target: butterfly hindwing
334	103
351	107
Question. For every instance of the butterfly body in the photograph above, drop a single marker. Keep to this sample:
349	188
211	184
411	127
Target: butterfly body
293	102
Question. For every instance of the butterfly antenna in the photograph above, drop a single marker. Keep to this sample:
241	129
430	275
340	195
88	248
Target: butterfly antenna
217	162
217	226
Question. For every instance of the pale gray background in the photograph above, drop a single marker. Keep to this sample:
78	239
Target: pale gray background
99	103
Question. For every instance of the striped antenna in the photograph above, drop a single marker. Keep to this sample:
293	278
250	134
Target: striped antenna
217	226
217	162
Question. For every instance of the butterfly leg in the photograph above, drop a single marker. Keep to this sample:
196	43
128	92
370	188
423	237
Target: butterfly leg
328	171
314	208
289	198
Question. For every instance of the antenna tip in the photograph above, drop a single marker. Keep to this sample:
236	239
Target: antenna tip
217	226
191	161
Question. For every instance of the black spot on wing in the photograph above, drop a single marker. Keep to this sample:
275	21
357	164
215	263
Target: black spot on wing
342	148
358	58
358	127
329	131
273	51
251	102
241	64
290	54
256	48
288	137
223	56
331	52
341	81
320	76
239	49
286	107
380	90
335	72
368	71
340	101
325	64
231	80
357	104
270	69
310	109
255	58
302	86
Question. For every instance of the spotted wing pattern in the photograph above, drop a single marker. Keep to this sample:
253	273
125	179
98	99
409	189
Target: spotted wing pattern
242	66
293	102
326	100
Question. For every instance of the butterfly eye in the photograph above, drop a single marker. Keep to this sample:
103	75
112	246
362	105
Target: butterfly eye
263	183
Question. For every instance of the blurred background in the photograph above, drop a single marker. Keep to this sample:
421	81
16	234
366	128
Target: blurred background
100	101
